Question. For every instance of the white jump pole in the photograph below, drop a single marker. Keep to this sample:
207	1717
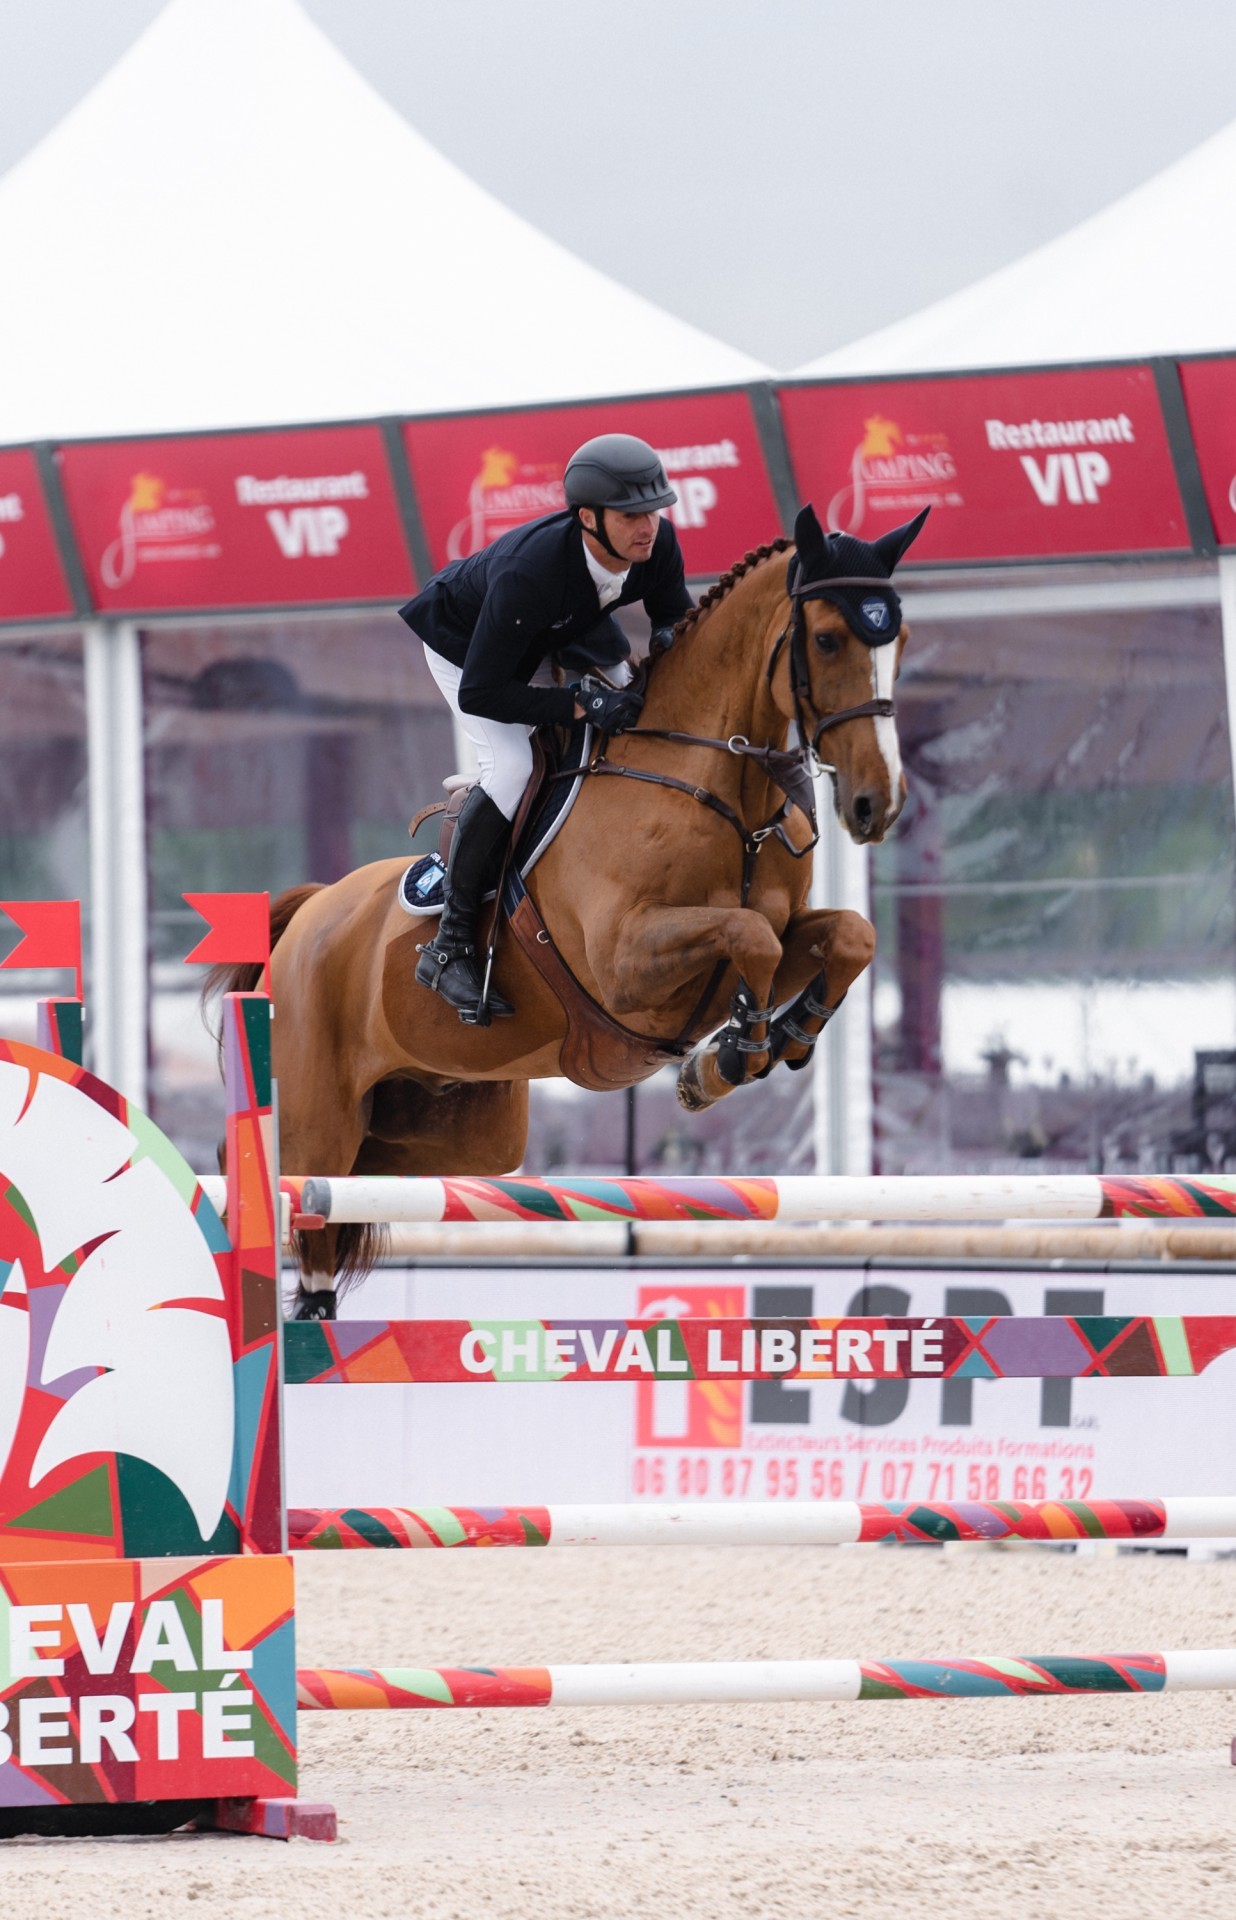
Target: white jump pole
382	1200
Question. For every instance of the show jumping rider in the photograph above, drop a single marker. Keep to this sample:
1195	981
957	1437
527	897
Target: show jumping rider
489	621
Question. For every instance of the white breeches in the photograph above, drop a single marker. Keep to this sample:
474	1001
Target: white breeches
503	748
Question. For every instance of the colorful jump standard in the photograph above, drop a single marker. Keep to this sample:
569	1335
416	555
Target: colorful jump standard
769	1523
146	1601
696	1683
194	1484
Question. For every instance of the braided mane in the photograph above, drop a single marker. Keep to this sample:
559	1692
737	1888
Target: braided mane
754	557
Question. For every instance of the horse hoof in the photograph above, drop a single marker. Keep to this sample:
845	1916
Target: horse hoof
320	1305
691	1091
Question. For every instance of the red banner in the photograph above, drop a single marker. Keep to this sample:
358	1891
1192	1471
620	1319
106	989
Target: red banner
1210	399
1014	465
238	928
479	475
237	520
51	933
32	582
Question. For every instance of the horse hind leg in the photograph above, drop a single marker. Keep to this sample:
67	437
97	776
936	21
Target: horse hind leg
478	1128
331	1260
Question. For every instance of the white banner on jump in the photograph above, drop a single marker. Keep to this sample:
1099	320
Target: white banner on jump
769	1440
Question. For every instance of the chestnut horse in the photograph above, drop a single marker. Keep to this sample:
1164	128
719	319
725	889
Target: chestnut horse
671	903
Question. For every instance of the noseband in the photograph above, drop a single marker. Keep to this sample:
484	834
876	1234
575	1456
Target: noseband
795	631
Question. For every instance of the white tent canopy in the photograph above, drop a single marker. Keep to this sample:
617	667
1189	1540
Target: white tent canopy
1154	273
234	228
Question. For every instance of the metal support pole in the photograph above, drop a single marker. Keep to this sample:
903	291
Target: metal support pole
844	1106
118	937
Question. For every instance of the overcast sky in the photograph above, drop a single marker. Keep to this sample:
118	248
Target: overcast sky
785	173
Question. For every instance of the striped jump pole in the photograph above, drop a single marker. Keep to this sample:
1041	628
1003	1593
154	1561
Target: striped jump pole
939	1347
383	1200
761	1523
697	1683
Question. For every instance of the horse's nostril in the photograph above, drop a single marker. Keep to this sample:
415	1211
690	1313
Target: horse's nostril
862	808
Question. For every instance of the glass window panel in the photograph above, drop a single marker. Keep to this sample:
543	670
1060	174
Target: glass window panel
277	752
1055	918
44	836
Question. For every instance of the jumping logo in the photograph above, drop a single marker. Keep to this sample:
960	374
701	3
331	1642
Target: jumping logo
894	472
506	493
158	522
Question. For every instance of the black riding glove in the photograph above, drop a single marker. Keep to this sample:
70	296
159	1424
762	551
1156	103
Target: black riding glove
610	709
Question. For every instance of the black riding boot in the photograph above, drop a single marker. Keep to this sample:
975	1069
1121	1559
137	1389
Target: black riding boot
448	963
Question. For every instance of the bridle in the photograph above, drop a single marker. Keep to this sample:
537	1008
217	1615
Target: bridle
795	632
790	769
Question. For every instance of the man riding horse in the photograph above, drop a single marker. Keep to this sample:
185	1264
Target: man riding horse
490	621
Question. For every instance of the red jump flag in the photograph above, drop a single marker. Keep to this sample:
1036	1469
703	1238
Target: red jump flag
52	935
239	930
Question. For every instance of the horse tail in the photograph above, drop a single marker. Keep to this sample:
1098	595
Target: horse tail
358	1246
245	976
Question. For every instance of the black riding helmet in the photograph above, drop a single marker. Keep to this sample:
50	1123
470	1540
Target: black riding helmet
615	470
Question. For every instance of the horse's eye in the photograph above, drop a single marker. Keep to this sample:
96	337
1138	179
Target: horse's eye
828	642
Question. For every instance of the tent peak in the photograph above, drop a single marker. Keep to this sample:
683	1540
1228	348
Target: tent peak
1150	274
234	227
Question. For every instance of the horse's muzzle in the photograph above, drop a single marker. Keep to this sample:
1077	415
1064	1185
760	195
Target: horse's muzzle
869	815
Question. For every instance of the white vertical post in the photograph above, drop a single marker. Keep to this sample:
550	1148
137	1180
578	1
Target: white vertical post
844	1103
118	951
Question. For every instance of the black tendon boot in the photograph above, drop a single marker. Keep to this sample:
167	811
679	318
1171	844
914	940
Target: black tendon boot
448	963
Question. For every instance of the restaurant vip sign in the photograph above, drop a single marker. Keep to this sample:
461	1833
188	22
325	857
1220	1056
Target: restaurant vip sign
32	583
479	475
237	520
1013	465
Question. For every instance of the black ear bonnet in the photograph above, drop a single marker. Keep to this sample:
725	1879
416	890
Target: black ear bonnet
871	610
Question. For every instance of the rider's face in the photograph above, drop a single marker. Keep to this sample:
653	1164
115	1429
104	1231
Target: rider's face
633	535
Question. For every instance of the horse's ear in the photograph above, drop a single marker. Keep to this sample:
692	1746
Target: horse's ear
809	538
893	545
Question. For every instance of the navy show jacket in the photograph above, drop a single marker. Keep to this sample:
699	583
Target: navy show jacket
498	613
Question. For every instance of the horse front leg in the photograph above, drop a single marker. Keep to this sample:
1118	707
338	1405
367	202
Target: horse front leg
822	954
659	951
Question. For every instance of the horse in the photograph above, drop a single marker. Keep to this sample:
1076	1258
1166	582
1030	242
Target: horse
677	889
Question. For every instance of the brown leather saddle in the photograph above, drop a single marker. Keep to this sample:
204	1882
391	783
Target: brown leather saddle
598	1053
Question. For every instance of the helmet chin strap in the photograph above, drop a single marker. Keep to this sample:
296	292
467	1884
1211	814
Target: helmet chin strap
598	514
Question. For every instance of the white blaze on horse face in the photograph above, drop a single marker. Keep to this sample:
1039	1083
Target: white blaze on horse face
883	674
167	1393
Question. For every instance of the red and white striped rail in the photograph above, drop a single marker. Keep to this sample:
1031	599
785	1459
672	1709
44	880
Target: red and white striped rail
385	1200
692	1683
769	1523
